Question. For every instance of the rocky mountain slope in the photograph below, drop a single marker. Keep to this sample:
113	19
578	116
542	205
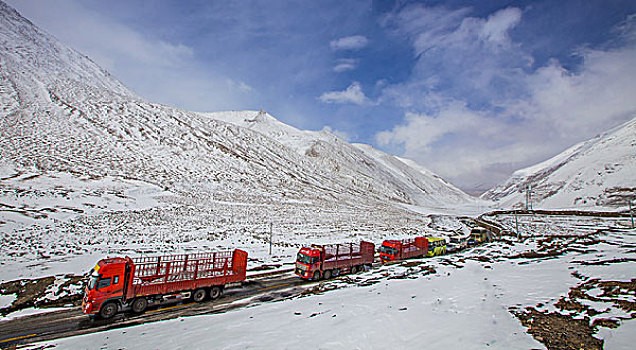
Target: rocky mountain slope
600	172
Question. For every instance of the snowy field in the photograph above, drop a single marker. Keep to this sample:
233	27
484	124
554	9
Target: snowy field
54	226
61	223
577	268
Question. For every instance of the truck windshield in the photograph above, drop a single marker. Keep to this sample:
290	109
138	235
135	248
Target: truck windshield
302	258
387	250
92	281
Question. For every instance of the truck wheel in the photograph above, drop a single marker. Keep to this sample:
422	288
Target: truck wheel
215	293
199	295
108	310
139	305
327	274
316	276
354	269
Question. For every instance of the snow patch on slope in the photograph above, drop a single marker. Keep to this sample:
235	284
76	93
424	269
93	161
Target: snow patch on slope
37	197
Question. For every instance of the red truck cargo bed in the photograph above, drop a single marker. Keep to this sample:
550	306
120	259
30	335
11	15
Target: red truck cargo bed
348	254
174	273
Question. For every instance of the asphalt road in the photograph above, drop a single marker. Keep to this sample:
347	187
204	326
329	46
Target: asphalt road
70	322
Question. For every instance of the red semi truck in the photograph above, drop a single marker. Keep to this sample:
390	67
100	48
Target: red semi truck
118	283
324	261
403	249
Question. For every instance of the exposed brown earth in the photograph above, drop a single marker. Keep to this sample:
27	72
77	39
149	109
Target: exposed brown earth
559	332
31	293
572	328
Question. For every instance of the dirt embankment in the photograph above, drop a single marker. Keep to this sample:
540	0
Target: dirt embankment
52	291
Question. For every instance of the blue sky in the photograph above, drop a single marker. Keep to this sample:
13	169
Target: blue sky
472	90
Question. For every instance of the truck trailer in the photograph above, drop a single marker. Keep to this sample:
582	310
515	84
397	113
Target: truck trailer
115	284
325	261
392	249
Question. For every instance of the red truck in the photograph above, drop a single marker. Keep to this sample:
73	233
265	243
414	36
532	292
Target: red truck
118	283
403	249
325	261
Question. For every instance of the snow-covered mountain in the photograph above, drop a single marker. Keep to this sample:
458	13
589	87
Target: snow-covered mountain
403	180
600	172
83	157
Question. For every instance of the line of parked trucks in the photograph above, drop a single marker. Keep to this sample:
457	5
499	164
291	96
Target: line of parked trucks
116	284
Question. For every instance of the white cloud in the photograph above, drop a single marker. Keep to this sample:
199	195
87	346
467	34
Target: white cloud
467	57
353	94
474	148
345	64
496	27
355	42
585	103
239	85
529	115
426	27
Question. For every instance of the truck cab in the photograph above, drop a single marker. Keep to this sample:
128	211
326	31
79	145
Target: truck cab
457	243
436	246
106	284
308	262
478	235
390	250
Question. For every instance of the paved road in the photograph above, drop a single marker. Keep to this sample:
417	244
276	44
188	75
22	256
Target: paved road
71	322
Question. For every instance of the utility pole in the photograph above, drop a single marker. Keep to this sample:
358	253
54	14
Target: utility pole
270	238
530	195
517	224
631	213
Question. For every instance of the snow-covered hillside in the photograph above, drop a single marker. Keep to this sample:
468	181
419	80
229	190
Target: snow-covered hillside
402	179
600	172
88	165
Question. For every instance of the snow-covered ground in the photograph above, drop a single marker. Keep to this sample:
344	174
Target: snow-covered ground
37	197
462	301
75	246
